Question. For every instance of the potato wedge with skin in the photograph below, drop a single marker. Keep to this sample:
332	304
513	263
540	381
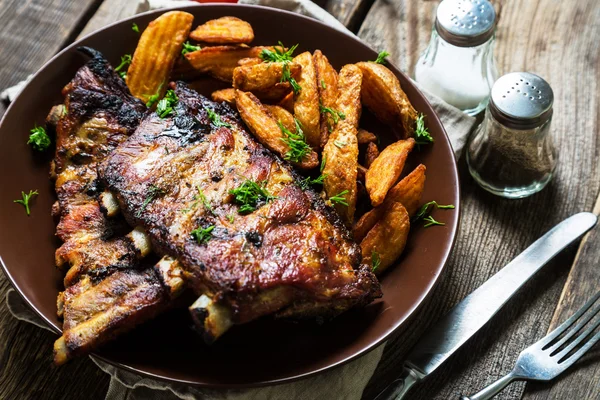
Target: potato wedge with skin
266	130
306	103
383	95
387	238
249	61
365	137
341	162
408	192
371	154
218	61
262	77
225	30
328	92
282	115
287	102
155	55
224	95
386	169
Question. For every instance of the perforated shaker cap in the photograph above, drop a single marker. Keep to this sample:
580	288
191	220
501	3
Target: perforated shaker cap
521	100
465	23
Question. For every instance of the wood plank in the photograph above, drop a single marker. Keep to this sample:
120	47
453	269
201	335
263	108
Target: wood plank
110	11
351	13
555	40
581	381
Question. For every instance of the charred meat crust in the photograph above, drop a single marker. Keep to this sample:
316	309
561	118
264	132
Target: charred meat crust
279	256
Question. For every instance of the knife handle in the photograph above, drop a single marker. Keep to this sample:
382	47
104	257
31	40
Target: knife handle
398	388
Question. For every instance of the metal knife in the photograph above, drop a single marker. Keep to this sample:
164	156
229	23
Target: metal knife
475	310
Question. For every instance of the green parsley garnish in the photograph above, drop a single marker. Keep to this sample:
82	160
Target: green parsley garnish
205	201
323	85
336	115
166	104
124	66
426	209
296	142
339	198
135	28
284	57
339	144
215	119
375	261
153	193
188	48
422	135
152	100
202	235
323	160
249	195
381	56
230	218
25	200
39	139
307	182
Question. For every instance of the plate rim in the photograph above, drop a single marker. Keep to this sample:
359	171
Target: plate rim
270	382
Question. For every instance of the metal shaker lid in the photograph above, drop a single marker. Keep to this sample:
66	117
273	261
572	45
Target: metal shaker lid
521	100
465	23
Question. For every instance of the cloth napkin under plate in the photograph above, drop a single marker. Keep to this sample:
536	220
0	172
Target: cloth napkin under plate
345	382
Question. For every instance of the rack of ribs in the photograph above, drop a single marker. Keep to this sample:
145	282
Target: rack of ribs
107	289
291	256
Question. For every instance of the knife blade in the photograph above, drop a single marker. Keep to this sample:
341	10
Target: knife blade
475	310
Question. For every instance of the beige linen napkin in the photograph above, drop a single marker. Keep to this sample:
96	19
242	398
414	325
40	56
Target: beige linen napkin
345	382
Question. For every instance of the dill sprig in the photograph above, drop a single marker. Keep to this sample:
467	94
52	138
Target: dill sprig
202	235
39	139
336	115
124	66
424	211
307	182
375	261
381	57
216	120
339	198
188	48
279	54
26	197
323	161
153	193
249	194
166	105
295	141
152	100
135	28
422	135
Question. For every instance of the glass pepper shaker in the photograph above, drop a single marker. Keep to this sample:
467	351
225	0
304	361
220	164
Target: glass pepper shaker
511	154
458	65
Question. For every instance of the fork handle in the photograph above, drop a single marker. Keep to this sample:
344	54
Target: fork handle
491	390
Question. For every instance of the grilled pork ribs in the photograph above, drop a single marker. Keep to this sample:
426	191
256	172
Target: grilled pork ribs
107	291
180	182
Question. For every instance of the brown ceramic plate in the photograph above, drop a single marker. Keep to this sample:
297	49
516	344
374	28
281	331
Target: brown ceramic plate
262	352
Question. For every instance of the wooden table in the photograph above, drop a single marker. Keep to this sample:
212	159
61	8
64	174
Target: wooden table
556	39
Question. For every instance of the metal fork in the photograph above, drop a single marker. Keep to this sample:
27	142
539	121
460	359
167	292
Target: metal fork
547	358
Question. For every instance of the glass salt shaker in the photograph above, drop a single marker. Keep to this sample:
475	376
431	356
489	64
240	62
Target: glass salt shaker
458	65
511	154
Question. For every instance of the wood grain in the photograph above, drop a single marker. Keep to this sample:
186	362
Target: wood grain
581	382
556	41
351	13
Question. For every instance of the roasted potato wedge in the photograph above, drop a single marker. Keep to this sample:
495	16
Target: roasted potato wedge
328	92
387	239
225	30
340	153
226	95
386	169
218	61
408	192
282	115
383	95
365	137
371	154
265	128
306	103
155	55
287	102
250	61
264	76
